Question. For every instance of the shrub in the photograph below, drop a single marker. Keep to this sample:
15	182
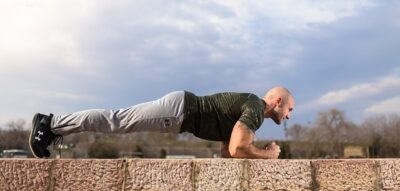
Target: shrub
103	149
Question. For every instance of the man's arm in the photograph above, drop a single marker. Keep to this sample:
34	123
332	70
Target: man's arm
241	144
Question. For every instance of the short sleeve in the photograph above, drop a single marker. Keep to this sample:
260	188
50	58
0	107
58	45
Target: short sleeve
252	115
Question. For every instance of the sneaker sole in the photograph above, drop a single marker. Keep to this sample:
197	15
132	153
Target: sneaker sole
34	121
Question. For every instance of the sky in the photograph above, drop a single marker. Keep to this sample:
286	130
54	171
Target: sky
66	56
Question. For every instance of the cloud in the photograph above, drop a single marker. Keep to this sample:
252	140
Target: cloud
365	93
359	91
55	43
290	14
62	33
63	96
61	56
391	105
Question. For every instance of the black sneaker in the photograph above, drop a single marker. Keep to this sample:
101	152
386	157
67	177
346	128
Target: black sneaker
41	136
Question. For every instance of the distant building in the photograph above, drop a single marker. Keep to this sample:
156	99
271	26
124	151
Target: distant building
15	153
355	152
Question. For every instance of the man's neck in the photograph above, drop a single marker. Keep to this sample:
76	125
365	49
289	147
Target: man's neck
268	109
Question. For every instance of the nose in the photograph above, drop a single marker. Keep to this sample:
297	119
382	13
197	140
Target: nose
287	116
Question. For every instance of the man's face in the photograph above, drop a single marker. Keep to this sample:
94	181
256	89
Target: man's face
282	110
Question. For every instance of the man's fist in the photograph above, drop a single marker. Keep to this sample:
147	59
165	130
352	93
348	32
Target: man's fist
274	150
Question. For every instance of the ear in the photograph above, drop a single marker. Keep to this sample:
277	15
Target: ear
278	101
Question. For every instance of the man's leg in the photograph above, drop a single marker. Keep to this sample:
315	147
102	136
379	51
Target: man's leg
162	115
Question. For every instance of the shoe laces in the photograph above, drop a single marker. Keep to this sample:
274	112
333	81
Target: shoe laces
58	140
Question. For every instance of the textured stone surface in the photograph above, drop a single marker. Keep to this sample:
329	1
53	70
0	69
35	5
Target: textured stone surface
279	175
389	170
345	175
24	174
199	174
219	174
159	174
99	174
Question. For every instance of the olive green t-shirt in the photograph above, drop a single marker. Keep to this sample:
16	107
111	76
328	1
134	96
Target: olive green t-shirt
213	117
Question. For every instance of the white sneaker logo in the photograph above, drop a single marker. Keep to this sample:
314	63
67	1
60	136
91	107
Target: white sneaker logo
39	134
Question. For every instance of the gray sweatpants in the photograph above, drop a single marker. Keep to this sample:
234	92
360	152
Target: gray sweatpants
164	115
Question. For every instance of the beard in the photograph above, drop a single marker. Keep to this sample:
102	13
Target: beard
275	117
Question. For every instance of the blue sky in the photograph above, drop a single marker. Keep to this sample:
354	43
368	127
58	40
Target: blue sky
67	56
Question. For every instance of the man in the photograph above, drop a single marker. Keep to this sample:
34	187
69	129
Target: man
231	118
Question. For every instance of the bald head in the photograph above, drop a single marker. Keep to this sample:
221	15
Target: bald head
280	103
276	92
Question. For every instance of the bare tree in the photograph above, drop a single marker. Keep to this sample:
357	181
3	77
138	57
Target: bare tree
335	130
325	137
383	135
14	136
295	132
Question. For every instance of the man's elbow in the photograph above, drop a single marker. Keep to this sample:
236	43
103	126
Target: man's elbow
238	151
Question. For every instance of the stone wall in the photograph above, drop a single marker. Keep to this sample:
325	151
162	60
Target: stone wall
199	174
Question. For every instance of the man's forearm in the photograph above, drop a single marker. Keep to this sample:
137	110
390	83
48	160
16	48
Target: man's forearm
241	144
254	152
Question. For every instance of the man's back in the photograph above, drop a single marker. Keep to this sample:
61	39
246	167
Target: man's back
213	117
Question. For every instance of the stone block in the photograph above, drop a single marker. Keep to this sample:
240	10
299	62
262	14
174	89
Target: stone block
159	174
389	170
345	175
219	174
85	174
279	175
24	174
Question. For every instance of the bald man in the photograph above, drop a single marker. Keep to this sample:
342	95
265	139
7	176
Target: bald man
229	117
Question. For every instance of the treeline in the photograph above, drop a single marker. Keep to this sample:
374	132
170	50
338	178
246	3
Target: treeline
15	135
326	137
331	132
